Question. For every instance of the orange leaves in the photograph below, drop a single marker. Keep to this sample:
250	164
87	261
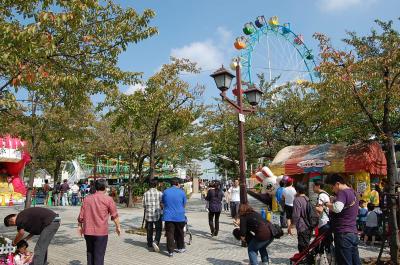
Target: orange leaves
43	72
87	38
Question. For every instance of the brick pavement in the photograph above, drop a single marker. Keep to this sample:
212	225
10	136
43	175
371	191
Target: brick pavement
69	249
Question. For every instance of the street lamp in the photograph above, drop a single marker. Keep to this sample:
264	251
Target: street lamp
223	79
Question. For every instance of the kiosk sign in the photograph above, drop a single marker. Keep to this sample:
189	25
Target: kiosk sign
313	163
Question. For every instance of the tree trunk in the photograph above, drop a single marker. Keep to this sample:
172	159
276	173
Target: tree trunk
57	170
130	198
392	176
153	142
28	199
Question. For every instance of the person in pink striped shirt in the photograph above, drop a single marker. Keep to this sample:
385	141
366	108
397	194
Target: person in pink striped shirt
93	222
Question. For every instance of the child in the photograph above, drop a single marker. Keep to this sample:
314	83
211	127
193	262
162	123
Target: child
371	225
22	256
362	215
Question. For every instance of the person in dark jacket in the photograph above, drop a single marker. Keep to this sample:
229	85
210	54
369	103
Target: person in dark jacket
252	223
214	198
299	219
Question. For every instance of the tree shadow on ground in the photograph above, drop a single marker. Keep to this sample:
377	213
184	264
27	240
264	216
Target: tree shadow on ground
75	262
223	261
141	244
207	235
63	238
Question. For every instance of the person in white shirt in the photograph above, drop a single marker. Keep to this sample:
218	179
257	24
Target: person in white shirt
288	196
234	194
122	194
75	191
323	225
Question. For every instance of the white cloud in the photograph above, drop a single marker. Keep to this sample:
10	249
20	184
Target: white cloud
224	35
338	5
133	88
206	54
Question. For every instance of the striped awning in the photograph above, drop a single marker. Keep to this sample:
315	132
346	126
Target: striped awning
330	158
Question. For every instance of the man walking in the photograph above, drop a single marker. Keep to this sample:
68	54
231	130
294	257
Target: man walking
36	221
64	193
174	201
344	215
152	214
93	222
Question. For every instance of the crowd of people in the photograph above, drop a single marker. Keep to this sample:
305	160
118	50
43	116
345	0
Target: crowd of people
73	194
338	218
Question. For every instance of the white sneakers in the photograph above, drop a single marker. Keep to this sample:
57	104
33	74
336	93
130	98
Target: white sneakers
155	247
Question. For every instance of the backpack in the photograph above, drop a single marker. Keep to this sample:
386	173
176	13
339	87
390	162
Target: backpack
276	230
312	217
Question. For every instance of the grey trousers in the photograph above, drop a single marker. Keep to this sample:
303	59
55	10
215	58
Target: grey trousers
40	252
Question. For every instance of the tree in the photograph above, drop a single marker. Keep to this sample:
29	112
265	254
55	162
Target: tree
152	123
170	105
361	87
60	58
130	136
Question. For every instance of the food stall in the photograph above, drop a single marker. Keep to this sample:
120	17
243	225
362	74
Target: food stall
13	159
361	164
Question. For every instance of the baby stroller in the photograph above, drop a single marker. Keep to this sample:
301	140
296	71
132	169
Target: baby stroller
311	251
188	234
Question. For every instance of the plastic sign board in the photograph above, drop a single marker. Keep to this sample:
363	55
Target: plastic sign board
10	155
242	117
313	163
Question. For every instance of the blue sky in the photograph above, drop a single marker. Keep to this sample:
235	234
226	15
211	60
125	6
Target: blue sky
204	30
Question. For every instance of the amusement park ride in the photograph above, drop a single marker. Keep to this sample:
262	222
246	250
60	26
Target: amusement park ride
274	50
109	168
267	45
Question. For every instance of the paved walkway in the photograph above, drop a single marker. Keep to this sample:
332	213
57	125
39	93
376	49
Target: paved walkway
69	249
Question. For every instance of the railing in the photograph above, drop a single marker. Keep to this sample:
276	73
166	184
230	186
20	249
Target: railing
6	249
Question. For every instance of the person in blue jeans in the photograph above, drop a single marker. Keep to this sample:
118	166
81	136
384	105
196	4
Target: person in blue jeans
252	223
344	210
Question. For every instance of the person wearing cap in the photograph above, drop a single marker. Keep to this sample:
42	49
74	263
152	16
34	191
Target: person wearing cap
36	221
93	222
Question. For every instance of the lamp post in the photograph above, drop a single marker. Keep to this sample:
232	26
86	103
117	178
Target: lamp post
223	79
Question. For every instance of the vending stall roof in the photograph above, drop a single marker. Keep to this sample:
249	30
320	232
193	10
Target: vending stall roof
330	158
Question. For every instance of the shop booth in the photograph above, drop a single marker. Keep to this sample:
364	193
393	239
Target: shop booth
362	164
13	159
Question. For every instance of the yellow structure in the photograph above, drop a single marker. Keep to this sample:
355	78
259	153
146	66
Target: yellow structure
7	191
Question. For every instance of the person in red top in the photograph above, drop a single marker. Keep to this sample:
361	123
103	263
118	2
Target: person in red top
93	222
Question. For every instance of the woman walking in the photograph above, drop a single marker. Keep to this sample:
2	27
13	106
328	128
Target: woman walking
256	231
214	199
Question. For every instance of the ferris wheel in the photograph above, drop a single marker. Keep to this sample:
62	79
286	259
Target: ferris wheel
275	51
